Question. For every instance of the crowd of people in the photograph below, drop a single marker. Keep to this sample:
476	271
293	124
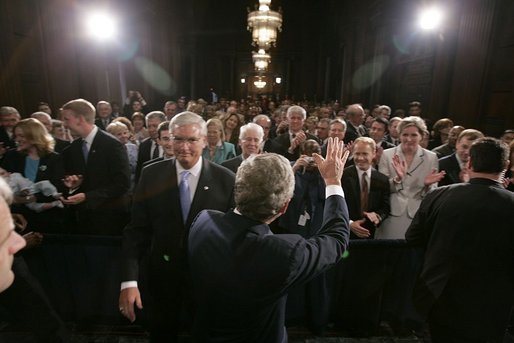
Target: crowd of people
146	175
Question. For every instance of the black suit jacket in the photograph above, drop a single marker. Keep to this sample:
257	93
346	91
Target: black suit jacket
283	142
467	278
100	123
4	138
106	182
452	168
378	199
143	155
351	133
233	164
157	223
241	272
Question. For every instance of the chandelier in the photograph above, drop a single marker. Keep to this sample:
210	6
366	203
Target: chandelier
261	60
259	83
264	24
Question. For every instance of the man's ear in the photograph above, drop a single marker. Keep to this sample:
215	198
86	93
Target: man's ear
284	207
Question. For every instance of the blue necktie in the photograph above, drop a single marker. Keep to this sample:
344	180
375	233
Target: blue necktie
85	151
185	196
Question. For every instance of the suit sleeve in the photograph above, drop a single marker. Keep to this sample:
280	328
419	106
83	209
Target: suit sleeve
313	256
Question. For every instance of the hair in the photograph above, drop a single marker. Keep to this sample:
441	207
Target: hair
115	127
251	126
488	155
5	191
441	124
296	109
471	134
188	118
164	126
57	123
368	141
102	102
325	120
385	107
261	116
36	134
155	115
394	119
125	121
264	184
170	102
382	121
507	132
138	115
310	145
219	125
340	121
5	110
40	114
414	104
82	108
415	121
350	111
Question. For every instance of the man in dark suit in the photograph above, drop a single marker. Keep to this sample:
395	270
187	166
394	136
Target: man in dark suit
354	119
250	141
104	115
367	190
164	140
288	144
466	281
241	271
455	164
168	197
98	173
9	117
150	148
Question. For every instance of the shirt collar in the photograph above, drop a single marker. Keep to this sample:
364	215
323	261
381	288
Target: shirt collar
195	170
89	138
360	172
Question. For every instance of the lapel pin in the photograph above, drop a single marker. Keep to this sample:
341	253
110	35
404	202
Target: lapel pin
205	188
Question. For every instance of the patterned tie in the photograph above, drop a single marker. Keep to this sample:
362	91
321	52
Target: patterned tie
185	196
85	151
364	193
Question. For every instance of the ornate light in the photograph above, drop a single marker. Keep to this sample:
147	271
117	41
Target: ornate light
259	83
264	24
261	60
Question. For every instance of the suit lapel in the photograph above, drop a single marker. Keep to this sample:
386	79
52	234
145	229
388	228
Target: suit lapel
418	160
202	193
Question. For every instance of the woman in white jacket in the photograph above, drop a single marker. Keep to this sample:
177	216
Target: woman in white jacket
412	172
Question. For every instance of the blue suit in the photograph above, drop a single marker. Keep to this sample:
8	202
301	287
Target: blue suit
242	272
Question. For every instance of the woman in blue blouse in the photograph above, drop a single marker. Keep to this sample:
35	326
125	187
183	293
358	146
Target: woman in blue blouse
217	150
35	159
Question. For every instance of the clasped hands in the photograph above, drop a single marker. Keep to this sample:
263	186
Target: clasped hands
73	182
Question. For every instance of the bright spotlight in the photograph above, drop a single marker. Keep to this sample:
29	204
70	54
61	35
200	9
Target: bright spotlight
430	18
101	26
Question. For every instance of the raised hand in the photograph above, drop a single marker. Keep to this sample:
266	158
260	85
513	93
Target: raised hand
434	177
399	166
331	167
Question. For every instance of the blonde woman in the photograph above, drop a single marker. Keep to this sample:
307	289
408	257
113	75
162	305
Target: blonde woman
217	150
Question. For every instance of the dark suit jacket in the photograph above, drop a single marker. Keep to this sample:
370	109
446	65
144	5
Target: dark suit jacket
143	155
233	164
157	223
283	142
106	181
351	133
4	138
378	199
241	272
467	278
386	145
100	123
51	168
60	145
452	168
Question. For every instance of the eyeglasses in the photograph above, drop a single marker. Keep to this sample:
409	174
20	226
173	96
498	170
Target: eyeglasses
183	140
